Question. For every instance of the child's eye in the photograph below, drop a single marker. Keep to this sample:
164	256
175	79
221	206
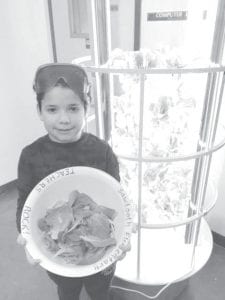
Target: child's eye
74	108
51	109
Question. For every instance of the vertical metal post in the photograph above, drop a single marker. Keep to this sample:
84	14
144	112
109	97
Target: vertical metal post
197	176
219	34
96	76
216	56
101	40
137	24
206	162
52	30
141	122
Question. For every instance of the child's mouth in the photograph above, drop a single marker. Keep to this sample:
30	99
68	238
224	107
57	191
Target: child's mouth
65	130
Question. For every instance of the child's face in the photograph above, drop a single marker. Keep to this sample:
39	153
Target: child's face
63	114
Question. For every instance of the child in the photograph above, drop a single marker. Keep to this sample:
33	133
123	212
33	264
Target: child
63	96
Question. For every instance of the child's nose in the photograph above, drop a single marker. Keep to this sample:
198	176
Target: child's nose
64	117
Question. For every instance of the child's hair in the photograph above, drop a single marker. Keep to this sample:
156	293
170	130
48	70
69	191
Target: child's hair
63	75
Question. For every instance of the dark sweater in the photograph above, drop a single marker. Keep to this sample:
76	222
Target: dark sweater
44	157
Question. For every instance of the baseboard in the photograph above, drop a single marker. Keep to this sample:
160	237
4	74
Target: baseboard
218	239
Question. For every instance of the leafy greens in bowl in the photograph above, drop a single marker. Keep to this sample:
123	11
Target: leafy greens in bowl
80	231
76	221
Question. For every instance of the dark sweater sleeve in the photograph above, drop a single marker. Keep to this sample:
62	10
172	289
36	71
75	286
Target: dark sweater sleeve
24	183
112	165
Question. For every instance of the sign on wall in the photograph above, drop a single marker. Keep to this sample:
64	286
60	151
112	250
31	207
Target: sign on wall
167	16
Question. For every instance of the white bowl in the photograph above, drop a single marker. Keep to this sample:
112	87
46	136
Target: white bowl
56	187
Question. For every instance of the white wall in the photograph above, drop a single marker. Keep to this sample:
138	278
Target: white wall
216	217
154	34
24	39
194	35
122	25
67	48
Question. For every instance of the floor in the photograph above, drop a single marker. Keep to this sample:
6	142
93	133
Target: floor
20	281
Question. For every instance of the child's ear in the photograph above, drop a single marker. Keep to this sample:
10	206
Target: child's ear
39	112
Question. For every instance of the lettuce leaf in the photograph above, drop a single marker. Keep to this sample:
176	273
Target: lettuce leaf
80	231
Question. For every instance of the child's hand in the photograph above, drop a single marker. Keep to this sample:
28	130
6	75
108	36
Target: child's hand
112	267
21	241
124	249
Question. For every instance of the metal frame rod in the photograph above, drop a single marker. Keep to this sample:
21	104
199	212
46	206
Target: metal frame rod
52	30
202	165
212	131
212	135
177	158
206	69
141	122
102	46
98	94
199	162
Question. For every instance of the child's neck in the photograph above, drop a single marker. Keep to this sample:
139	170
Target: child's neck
78	137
